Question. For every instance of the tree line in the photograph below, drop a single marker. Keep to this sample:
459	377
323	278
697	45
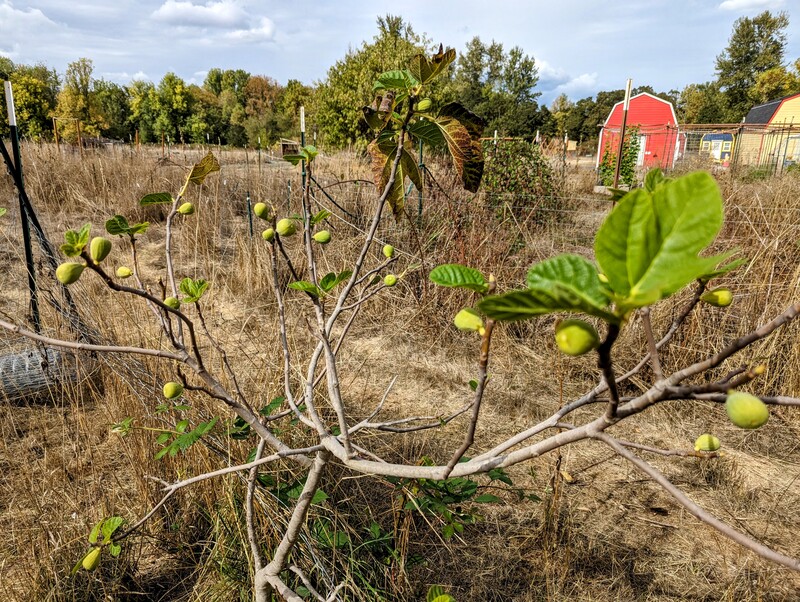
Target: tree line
234	107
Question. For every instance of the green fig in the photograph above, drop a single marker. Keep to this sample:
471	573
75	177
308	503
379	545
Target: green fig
285	227
390	280
706	442
92	559
261	210
388	251
172	302
323	237
719	297
67	273
99	249
424	105
186	209
173	390
124	272
746	411
268	234
576	337
469	319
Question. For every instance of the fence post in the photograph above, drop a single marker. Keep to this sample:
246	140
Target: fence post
23	212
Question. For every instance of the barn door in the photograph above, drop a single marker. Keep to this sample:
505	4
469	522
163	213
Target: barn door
642	149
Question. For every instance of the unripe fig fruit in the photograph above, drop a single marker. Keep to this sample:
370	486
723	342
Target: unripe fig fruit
91	560
746	411
323	237
469	319
186	209
173	390
124	272
424	105
576	337
706	442
99	249
67	273
719	297
388	251
268	234
261	210
172	302
285	227
390	280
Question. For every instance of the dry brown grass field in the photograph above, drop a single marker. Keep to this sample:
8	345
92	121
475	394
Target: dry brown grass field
600	531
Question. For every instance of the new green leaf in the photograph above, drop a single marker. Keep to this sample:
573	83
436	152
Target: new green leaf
648	245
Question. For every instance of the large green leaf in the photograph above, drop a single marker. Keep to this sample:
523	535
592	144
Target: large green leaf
428	131
398	79
461	130
573	281
459	276
648	245
526	304
156	198
425	69
201	169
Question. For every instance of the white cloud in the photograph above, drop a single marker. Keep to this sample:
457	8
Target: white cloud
744	5
12	18
263	31
577	86
223	15
13	53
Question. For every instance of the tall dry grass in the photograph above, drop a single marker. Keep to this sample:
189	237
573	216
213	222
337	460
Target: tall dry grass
603	533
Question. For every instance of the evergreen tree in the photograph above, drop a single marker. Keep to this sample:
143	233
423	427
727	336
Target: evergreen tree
755	46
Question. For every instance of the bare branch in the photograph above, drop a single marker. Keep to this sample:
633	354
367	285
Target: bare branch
726	530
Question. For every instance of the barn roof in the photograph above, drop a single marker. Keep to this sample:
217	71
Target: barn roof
643	96
764	113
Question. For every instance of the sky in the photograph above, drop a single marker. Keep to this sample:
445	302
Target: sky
580	46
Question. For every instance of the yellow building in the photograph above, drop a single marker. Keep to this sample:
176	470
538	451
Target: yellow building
770	134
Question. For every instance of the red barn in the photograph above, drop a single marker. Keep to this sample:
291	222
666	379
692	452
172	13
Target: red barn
654	118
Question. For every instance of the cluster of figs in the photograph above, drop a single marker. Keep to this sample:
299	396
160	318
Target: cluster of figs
577	337
287	227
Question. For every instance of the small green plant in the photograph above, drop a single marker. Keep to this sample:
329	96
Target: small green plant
627	168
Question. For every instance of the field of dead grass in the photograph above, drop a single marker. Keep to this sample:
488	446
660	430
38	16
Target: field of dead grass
600	530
